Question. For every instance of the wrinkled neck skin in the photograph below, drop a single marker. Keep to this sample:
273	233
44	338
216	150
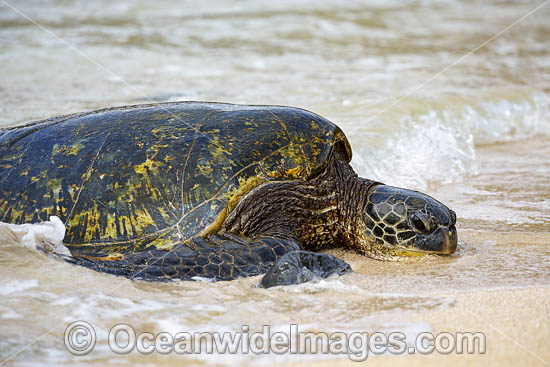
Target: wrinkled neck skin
322	212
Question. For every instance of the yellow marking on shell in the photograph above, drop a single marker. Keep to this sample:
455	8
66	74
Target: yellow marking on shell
216	225
54	184
163	243
73	149
71	190
39	177
290	163
142	167
205	170
15	213
232	196
197	194
142	219
155	193
294	172
274	174
13	157
157	147
91	224
291	173
110	230
220	152
163	212
245	186
110	257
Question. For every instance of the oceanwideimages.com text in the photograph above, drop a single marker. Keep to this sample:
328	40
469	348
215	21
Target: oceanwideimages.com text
80	339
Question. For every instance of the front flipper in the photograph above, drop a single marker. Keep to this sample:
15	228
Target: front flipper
217	257
302	266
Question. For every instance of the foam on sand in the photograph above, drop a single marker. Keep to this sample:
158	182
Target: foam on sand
47	236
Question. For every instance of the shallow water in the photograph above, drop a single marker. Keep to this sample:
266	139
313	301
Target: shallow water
476	136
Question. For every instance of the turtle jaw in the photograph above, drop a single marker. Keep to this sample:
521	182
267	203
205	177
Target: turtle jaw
443	241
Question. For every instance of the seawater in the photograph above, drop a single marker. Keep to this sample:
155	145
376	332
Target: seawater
474	135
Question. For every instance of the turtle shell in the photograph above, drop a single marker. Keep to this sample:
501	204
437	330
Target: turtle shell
123	179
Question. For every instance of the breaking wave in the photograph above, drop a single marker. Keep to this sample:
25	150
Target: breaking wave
436	141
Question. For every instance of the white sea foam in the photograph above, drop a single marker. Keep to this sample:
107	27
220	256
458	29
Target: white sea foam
319	285
45	235
12	287
203	279
8	313
436	142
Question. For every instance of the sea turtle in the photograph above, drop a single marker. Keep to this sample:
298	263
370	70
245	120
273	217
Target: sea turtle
192	189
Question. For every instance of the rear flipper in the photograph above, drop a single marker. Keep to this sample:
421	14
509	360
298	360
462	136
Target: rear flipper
302	266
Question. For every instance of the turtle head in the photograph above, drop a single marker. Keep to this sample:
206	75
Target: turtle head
403	222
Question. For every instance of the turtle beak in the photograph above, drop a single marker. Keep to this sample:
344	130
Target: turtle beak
450	240
442	241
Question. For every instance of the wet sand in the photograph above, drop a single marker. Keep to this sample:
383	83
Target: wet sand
515	322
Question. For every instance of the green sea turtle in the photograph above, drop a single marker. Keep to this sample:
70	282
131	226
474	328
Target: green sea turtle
190	189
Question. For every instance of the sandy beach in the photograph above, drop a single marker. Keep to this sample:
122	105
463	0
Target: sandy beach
514	322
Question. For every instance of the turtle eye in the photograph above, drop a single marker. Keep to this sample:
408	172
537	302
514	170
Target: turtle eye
421	224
